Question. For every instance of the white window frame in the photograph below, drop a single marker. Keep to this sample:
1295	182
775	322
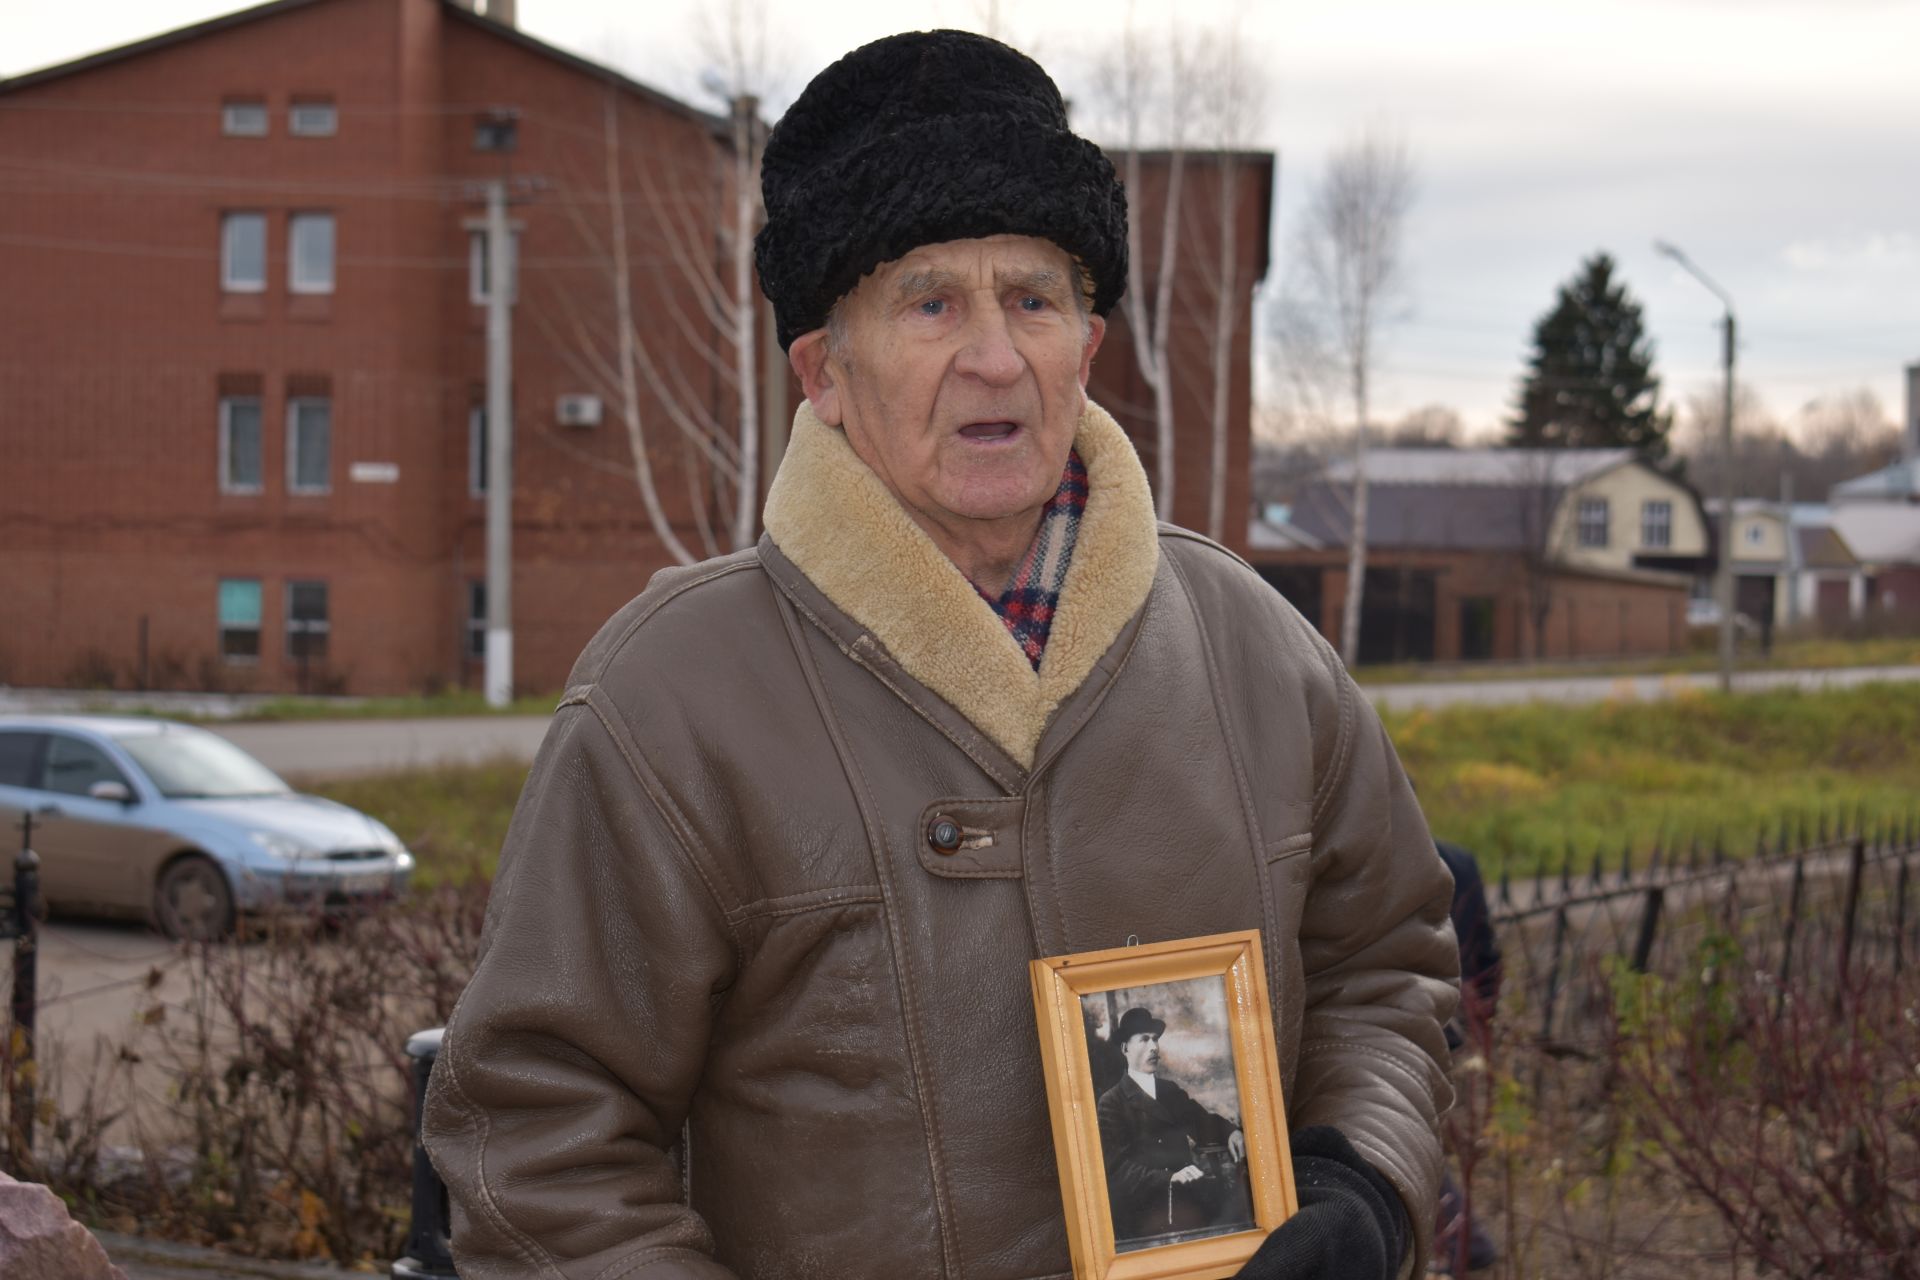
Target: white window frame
316	284
316	126
1663	525
477	451
221	628
1594	514
294	404
477	265
227	403
228	222
307	627
229	122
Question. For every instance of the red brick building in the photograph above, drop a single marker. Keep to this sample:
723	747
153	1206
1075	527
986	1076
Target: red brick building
242	350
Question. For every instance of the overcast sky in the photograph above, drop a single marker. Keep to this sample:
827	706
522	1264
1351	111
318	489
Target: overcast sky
1776	141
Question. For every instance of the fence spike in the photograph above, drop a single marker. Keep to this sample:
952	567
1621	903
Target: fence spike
1760	846
1653	865
1822	828
1506	887
1786	834
1626	860
1597	876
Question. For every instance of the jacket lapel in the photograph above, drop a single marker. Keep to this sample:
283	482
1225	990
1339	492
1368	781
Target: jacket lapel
837	524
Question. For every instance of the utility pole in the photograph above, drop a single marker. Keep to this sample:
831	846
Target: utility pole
499	672
1723	579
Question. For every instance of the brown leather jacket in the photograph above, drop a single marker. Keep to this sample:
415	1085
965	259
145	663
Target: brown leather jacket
734	1016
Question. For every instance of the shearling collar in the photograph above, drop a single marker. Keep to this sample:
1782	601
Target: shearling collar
835	520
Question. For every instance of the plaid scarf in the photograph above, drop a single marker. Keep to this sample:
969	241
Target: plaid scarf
1027	603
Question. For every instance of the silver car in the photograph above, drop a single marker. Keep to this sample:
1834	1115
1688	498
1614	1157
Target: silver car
165	822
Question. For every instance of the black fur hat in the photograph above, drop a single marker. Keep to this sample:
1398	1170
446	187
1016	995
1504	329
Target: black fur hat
920	138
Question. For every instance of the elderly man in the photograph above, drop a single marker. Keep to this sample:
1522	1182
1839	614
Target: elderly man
1151	1131
753	997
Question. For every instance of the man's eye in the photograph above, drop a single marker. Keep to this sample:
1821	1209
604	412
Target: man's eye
933	307
1028	302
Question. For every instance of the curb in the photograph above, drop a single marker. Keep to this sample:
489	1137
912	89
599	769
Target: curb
145	1259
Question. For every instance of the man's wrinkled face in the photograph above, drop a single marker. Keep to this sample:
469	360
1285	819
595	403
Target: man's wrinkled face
1142	1053
959	376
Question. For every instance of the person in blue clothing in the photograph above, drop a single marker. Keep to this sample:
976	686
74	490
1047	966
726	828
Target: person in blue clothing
1479	996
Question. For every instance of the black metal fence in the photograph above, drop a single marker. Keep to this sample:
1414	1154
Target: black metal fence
19	1070
1814	903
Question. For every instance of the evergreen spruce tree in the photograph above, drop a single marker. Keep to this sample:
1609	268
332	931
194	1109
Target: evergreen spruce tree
1590	382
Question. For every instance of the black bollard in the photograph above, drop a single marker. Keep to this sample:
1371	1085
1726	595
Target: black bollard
22	1099
429	1255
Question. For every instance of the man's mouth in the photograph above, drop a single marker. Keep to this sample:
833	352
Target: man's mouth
989	430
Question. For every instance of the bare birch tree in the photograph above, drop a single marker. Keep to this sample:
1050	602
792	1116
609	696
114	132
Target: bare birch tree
1231	99
1148	85
1349	251
678	228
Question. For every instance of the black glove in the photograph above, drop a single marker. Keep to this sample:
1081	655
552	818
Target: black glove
1351	1224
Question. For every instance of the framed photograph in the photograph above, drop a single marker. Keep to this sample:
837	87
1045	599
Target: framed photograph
1163	1085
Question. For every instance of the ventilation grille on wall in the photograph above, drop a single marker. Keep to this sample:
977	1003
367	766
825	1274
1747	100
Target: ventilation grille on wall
578	411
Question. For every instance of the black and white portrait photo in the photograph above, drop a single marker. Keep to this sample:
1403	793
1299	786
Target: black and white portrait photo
1169	1108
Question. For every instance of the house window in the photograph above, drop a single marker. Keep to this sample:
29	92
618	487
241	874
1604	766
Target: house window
1656	524
309	444
307	625
243	252
310	253
1593	522
476	620
244	118
478	265
477	451
312	120
240	444
240	619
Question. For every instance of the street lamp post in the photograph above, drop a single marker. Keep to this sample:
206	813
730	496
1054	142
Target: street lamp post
1723	575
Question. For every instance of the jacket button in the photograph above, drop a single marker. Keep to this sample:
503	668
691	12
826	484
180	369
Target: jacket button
944	835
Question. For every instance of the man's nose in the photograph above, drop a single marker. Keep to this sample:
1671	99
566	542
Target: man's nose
989	353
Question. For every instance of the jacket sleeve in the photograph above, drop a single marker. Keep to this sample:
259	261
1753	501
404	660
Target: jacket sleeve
1381	966
569	1063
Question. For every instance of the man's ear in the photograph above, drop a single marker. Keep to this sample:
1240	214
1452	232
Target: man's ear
808	356
1096	330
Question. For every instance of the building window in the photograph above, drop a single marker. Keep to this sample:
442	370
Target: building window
310	253
312	120
309	444
477	620
243	252
1593	522
244	118
477	451
240	619
1656	524
307	625
1756	534
478	266
240	444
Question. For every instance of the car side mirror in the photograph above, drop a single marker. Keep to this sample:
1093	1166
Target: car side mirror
114	791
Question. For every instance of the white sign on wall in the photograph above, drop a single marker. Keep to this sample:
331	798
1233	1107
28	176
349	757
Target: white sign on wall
374	472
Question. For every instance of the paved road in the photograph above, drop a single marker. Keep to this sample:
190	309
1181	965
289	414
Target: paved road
333	748
1576	689
339	748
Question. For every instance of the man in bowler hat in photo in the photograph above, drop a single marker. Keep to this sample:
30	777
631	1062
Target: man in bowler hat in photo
1152	1133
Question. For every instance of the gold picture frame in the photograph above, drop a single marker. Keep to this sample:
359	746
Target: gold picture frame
1069	1020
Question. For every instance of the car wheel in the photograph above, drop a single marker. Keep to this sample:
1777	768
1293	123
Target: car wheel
192	901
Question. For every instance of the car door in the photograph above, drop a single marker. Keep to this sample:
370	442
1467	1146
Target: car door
93	853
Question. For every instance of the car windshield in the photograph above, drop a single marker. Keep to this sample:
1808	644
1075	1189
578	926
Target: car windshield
186	764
